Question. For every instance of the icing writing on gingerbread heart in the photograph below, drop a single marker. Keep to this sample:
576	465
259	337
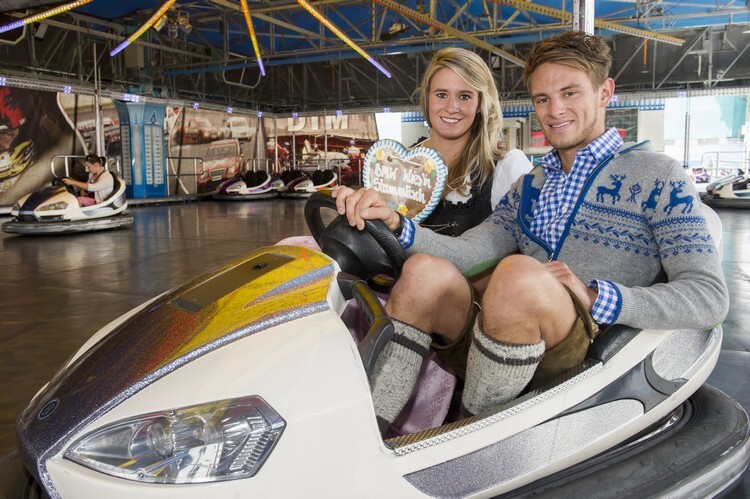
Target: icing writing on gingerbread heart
411	182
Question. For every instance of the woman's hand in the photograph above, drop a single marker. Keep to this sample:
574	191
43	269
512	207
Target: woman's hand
364	204
74	183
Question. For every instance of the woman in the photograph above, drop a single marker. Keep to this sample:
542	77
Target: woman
100	184
460	102
462	107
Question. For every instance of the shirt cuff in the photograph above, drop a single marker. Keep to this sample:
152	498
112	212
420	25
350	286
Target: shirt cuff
407	234
607	305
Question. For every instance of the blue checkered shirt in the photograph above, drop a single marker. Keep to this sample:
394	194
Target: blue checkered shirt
556	202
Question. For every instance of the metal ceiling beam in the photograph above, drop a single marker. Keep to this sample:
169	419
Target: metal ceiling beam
278	8
459	13
352	26
568	17
685	53
729	66
405	11
626	64
112	36
14	5
290	26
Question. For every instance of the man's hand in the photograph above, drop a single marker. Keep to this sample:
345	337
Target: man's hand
564	275
364	204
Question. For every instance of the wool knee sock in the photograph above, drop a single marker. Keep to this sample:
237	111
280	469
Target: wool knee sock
496	371
396	371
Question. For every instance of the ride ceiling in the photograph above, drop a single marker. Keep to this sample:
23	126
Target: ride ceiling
204	53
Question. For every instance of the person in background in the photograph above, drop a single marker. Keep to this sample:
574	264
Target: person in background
572	252
354	153
350	173
100	183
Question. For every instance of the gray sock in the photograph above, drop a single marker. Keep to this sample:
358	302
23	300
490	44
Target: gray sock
396	371
496	371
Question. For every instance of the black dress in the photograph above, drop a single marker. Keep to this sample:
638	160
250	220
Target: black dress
453	219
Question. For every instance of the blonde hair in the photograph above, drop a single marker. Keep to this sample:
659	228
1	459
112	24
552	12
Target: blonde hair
481	152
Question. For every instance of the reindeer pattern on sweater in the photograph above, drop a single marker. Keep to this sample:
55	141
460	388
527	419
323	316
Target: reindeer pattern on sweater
637	224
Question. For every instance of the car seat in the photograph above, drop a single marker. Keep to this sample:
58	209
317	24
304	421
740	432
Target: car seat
288	175
322	177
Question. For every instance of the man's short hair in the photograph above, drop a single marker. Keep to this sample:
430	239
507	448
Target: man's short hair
576	49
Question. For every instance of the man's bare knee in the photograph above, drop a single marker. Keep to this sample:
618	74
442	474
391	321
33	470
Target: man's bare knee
515	283
524	303
518	300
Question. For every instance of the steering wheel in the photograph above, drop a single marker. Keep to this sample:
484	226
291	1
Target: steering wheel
58	182
373	251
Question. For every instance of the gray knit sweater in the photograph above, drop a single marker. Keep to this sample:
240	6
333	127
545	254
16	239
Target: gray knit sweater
637	224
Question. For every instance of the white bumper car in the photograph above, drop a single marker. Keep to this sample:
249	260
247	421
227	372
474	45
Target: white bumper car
247	382
728	192
258	184
54	210
304	186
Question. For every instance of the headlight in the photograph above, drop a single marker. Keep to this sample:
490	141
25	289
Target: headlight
60	205
221	440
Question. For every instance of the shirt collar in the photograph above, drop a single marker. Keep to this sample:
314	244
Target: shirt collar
601	147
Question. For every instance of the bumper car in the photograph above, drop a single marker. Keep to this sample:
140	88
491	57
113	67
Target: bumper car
54	209
728	192
253	185
302	186
248	382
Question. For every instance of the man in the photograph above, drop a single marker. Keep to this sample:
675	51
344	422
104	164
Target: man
573	250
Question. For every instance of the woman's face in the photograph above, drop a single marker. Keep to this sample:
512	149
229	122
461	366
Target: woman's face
93	167
453	105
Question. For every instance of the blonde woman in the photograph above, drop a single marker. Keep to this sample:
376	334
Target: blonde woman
460	102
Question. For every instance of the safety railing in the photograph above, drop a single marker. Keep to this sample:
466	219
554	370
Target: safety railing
720	164
61	165
182	175
255	164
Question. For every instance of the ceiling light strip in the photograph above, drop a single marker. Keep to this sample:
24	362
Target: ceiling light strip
43	15
424	19
568	17
253	38
328	24
136	34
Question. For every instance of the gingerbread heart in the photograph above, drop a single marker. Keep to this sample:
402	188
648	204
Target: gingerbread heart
411	181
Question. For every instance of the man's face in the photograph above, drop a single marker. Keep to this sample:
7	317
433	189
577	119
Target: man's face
7	137
570	110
